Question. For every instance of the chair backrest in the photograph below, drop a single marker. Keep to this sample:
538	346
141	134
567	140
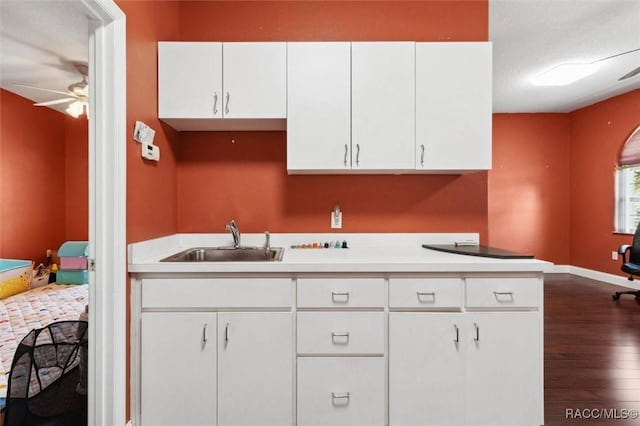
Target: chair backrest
46	374
634	255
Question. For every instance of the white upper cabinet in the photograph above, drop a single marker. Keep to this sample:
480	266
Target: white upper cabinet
383	106
319	106
255	80
189	80
453	106
202	82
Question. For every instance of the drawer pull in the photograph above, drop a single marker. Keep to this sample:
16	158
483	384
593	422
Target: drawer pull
502	296
340	396
477	327
422	295
342	336
457	339
340	296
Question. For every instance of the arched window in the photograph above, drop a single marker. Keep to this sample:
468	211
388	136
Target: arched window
628	185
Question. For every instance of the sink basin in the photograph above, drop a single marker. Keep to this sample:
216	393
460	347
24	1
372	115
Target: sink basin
227	254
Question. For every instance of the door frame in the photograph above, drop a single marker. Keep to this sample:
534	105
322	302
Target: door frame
107	213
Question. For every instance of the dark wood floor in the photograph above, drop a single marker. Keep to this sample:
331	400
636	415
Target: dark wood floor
591	351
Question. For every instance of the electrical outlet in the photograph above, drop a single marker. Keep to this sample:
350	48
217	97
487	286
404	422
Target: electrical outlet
614	255
336	220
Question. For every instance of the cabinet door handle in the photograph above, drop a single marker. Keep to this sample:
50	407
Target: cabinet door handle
346	151
422	155
335	334
226	108
421	295
457	339
204	335
346	396
357	154
340	296
215	103
477	327
226	334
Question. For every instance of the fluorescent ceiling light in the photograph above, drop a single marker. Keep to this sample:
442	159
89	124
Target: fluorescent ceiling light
564	74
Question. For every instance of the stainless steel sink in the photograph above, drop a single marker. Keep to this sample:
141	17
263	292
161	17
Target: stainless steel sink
227	254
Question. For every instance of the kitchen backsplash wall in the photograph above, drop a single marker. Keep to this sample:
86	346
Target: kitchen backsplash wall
242	175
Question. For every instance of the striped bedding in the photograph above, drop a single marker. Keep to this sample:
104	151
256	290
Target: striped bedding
35	308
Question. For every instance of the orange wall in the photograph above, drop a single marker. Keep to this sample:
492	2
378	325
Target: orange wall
597	135
43	178
151	186
76	195
296	20
247	180
529	185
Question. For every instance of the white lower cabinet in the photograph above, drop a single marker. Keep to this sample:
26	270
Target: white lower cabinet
426	368
255	368
341	391
412	350
236	373
473	368
504	381
178	369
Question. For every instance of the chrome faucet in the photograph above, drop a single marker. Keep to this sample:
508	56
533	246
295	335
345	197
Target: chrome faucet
235	232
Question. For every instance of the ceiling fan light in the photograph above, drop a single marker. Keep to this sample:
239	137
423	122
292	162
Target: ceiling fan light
75	109
564	74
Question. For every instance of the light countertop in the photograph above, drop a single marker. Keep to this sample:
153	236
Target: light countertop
374	253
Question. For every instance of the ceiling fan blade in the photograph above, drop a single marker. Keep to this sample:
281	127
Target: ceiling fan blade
55	102
630	74
40	88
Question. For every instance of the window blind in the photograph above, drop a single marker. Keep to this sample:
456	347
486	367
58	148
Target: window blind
630	153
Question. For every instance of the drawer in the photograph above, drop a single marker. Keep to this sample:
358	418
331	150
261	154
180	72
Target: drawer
503	292
425	293
217	293
340	293
340	332
341	392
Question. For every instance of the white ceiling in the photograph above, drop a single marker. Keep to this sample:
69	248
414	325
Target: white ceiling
39	40
530	36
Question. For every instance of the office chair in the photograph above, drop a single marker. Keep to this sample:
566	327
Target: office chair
47	382
630	263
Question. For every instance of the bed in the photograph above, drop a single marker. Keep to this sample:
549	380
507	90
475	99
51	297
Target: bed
31	309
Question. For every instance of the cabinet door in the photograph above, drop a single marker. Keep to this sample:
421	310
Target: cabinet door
189	80
453	106
504	385
319	106
255	80
178	369
426	369
255	377
383	107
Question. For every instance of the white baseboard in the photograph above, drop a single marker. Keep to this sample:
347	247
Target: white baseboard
596	275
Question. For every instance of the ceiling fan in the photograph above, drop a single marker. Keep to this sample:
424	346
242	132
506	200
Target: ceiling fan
77	95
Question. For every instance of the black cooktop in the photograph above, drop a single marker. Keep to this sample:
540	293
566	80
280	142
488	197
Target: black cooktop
479	250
